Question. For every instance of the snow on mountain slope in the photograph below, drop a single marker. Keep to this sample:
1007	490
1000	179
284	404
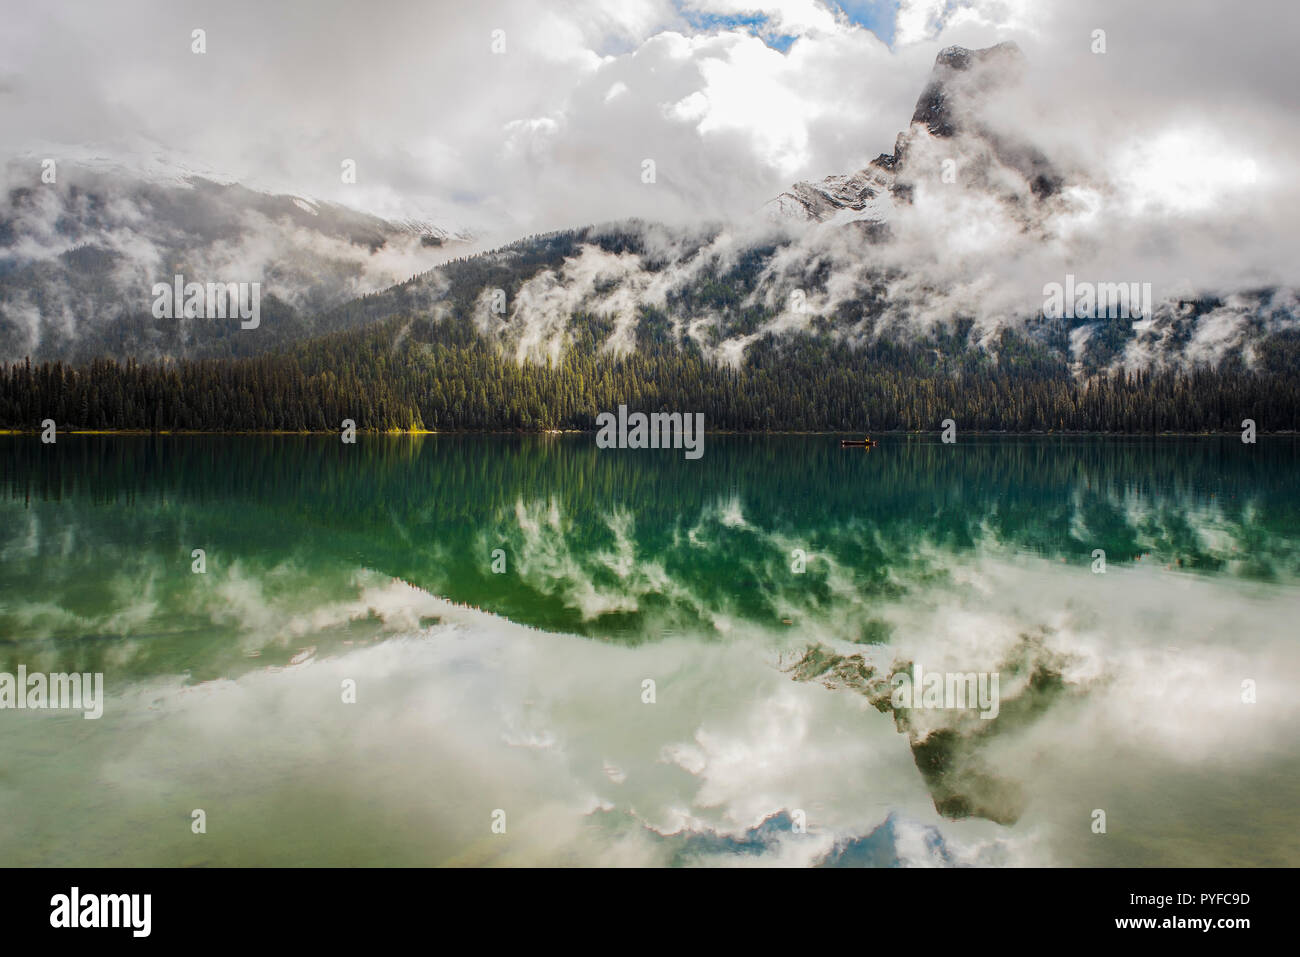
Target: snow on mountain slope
953	237
948	109
960	231
79	256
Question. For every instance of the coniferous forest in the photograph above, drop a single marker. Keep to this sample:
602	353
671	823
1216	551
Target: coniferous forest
439	374
387	362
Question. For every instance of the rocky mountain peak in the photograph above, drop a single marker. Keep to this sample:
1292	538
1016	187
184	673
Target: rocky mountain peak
958	75
949	106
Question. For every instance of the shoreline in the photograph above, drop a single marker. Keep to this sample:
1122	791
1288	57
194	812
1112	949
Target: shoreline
542	432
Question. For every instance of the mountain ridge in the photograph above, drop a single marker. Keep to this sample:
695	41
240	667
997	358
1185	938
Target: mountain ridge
726	290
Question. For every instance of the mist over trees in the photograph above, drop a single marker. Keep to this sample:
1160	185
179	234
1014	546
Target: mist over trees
439	374
417	357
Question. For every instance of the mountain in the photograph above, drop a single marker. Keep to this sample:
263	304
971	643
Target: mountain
895	296
79	258
958	234
948	109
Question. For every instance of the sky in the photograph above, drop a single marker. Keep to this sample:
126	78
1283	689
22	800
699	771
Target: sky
509	117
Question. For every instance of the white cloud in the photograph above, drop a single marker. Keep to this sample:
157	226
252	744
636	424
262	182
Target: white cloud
553	132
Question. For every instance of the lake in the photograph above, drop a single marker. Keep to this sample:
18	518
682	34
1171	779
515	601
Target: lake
500	650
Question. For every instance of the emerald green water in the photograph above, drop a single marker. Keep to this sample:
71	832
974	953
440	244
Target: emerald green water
522	689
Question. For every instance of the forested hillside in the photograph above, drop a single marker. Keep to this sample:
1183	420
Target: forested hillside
439	374
79	258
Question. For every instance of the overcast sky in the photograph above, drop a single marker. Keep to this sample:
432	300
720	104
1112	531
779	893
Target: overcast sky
1192	107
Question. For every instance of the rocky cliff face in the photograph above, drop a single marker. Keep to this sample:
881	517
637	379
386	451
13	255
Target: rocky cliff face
947	124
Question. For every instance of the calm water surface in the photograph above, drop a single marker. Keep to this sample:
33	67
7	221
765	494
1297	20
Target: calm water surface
501	606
